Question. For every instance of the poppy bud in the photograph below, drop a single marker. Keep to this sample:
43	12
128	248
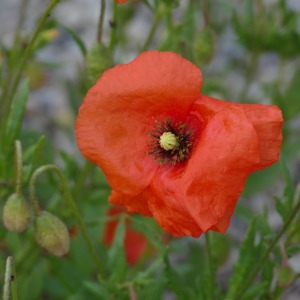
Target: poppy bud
46	37
52	234
98	60
285	276
293	232
204	46
16	213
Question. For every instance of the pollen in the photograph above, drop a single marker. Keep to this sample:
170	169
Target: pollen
168	141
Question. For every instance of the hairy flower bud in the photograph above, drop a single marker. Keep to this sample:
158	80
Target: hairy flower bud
285	276
204	46
16	213
52	234
98	60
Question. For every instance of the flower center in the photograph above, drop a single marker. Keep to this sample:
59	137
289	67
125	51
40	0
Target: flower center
170	142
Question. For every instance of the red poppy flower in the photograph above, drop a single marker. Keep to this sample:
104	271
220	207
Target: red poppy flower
135	243
121	1
167	150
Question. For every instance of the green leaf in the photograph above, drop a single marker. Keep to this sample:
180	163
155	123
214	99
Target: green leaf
289	186
75	37
71	167
116	254
157	264
15	116
281	208
284	206
97	290
150	230
255	291
247	259
176	283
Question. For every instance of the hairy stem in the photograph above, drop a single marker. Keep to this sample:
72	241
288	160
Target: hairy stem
100	23
10	287
19	167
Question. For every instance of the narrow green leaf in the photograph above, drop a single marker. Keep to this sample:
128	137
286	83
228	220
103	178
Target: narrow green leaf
281	208
284	206
150	230
155	265
246	261
289	186
292	96
15	117
37	157
176	283
96	289
75	37
255	291
117	258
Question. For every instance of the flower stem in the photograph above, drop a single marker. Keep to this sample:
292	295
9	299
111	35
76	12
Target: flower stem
86	171
19	167
32	193
113	33
68	196
206	12
9	92
157	18
248	281
100	23
10	287
210	262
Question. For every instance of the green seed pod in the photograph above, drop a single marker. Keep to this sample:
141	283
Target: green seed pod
16	213
285	276
97	61
52	234
204	46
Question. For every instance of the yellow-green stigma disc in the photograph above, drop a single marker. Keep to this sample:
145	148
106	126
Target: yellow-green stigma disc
168	141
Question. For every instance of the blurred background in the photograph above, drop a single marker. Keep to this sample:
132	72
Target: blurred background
248	52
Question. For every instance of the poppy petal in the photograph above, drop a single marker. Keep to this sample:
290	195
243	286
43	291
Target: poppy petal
168	208
266	119
120	109
133	204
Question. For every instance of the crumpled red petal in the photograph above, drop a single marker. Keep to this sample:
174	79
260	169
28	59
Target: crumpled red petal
213	178
266	119
133	204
